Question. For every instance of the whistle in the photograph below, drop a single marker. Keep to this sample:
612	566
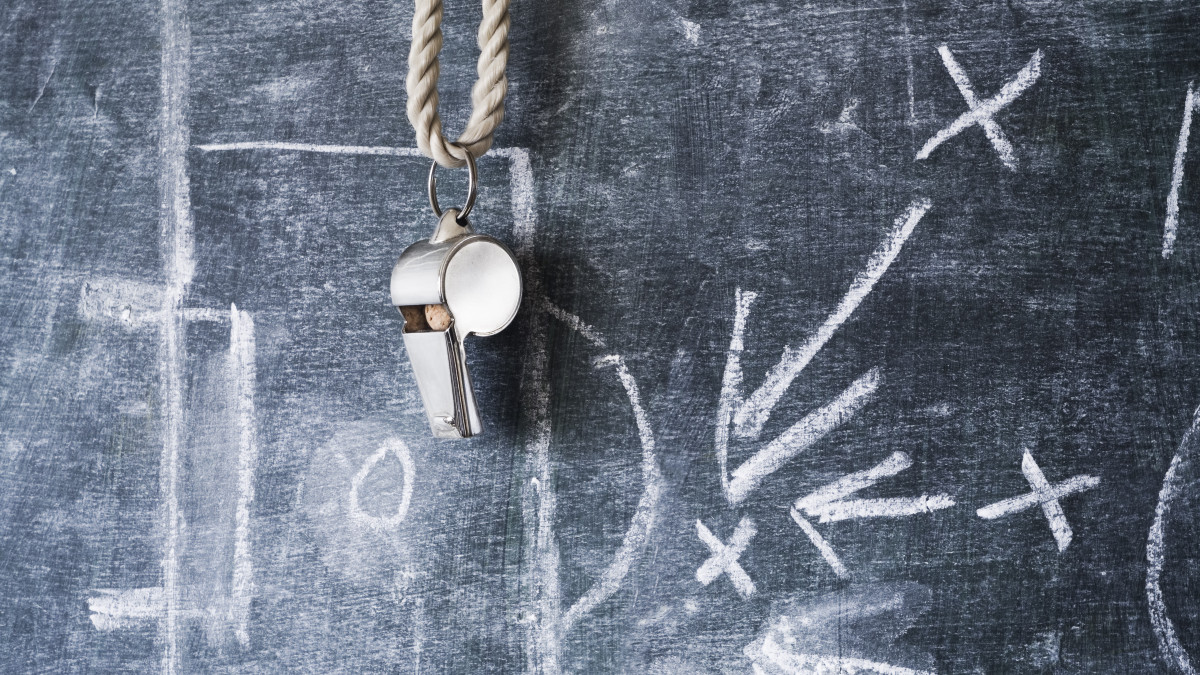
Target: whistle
473	285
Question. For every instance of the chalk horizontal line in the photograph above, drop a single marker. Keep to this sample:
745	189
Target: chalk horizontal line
1063	489
327	149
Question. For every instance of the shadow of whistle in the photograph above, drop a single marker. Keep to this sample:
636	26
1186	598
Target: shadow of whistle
454	284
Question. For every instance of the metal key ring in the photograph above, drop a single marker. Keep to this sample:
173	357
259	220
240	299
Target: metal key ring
472	188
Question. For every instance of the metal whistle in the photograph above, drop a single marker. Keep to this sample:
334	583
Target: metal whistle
475	278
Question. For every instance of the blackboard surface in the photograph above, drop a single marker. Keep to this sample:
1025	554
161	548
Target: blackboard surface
858	337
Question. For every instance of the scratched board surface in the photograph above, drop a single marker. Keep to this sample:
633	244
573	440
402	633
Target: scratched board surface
858	337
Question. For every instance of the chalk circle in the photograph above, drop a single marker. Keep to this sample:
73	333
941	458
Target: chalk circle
400	450
1169	645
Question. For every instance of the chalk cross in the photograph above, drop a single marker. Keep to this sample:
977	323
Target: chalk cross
984	113
1046	495
724	559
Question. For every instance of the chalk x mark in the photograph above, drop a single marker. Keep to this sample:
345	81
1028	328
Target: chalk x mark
1169	646
752	414
983	113
724	559
1171	225
1045	495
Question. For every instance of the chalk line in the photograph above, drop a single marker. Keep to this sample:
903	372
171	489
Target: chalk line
731	382
1185	129
644	515
823	546
854	482
397	448
175	209
113	609
1026	501
983	113
724	559
575	323
1172	650
801	435
754	412
892	507
908	61
808	664
245	374
516	155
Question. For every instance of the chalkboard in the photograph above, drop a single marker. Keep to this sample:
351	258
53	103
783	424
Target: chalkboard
857	337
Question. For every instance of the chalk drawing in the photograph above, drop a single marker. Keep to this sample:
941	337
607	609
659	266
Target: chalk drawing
1172	650
984	113
176	227
829	504
244	375
802	435
113	609
400	451
753	413
1185	129
642	522
842	632
138	305
1045	495
724	559
823	546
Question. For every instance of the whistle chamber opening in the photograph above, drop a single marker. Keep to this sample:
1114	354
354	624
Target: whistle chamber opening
426	318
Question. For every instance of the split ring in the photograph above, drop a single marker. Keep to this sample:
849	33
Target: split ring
472	187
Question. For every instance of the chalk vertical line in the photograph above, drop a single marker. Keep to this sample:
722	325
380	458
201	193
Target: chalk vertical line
538	499
908	60
1173	652
801	435
823	546
731	383
175	219
242	360
753	414
642	523
1185	129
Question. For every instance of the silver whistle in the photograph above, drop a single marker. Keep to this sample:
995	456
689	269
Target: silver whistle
470	284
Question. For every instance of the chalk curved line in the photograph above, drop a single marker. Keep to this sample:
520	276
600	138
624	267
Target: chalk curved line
646	512
400	450
1168	642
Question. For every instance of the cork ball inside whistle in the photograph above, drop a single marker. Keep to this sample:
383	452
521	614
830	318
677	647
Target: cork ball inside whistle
437	316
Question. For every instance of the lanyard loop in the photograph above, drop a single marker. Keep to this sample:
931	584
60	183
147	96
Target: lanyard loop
487	96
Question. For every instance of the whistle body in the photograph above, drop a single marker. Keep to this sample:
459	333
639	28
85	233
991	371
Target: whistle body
477	280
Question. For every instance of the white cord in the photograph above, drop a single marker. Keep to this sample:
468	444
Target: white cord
487	96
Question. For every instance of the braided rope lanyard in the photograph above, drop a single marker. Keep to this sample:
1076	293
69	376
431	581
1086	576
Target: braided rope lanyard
487	96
